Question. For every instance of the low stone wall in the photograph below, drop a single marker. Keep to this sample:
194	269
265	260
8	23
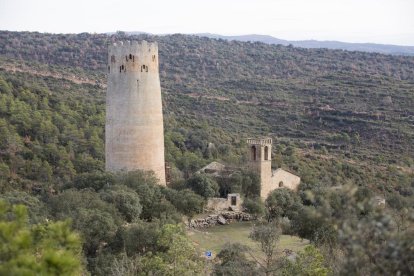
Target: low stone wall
219	219
233	202
216	204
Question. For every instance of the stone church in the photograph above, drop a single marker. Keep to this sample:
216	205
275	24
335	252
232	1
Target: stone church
260	161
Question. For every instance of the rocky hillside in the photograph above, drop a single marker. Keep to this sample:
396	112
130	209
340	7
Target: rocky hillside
330	106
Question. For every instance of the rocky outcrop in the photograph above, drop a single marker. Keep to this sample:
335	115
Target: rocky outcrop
222	218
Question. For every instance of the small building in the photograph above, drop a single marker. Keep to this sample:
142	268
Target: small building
233	202
213	169
217	169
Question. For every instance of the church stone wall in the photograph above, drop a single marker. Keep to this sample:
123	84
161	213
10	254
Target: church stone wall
282	179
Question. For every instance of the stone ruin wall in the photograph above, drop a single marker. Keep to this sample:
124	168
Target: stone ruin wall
220	204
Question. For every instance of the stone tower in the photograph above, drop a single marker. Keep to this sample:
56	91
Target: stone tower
260	161
134	132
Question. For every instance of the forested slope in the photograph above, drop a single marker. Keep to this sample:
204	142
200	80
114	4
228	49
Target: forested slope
337	118
332	104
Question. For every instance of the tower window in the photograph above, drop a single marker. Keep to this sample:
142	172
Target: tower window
266	153
280	184
130	56
253	153
153	57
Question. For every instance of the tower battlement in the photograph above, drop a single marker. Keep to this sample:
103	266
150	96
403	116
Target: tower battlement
126	57
259	141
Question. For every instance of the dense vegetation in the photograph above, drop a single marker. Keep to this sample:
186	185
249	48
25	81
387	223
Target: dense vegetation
338	119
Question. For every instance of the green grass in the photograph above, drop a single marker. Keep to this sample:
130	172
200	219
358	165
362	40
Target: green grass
214	238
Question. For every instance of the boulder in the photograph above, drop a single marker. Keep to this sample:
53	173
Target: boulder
221	220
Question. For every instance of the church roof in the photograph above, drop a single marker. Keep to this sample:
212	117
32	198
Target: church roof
216	169
280	170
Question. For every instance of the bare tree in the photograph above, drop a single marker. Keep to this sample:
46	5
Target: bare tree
267	236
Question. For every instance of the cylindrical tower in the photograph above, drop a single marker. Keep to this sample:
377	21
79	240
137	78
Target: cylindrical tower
134	131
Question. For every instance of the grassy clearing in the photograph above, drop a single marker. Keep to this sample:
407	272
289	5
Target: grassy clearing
214	238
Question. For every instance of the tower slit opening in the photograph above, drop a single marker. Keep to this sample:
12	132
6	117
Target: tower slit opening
253	153
266	153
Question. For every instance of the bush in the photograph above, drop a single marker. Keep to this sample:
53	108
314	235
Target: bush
254	206
282	203
203	185
41	249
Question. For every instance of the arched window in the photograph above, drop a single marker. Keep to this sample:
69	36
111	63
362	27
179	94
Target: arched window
266	153
253	153
280	184
130	56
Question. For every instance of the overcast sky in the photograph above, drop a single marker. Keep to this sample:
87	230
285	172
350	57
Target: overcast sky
379	21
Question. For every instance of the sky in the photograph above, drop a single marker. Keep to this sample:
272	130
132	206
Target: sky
377	21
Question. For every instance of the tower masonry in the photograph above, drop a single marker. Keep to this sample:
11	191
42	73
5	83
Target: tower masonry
261	162
134	131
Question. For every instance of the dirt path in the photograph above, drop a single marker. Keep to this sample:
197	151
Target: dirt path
73	78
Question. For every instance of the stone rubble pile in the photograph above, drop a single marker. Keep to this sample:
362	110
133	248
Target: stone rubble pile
222	218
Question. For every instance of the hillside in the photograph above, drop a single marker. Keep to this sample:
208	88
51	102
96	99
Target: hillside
363	47
341	120
332	106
